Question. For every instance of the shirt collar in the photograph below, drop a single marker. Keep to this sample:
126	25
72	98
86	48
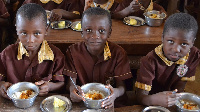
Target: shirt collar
46	1
159	52
45	52
107	53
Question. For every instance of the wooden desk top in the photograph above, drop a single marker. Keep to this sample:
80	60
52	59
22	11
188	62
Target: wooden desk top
121	34
8	106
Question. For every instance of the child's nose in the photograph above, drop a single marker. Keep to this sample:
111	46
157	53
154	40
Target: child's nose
177	48
95	35
30	38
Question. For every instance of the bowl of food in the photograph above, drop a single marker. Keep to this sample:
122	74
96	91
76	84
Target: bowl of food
154	18
188	102
95	94
23	94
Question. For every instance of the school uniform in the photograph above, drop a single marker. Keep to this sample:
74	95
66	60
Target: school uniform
80	64
158	74
68	5
47	65
113	65
3	10
111	5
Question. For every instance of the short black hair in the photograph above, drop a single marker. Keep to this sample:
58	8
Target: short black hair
95	11
181	21
31	11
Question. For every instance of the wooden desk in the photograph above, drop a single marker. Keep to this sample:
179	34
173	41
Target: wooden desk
137	41
8	106
121	34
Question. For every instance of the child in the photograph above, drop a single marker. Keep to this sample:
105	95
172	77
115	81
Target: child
122	9
96	59
4	22
171	64
32	59
66	9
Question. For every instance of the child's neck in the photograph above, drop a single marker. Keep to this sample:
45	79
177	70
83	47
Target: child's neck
100	1
32	54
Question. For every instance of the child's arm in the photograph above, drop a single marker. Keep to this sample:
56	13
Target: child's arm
3	88
73	92
133	7
57	14
165	98
87	4
115	93
45	86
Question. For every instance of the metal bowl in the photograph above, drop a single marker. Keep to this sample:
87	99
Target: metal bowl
95	104
155	109
21	86
190	97
154	21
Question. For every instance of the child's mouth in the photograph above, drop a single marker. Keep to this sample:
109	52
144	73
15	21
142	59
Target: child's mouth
174	56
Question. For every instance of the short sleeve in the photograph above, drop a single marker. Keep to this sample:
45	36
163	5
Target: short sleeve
74	6
146	74
69	66
58	68
192	64
122	70
122	5
3	10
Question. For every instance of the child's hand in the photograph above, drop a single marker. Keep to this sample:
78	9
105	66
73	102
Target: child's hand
56	14
109	102
3	88
75	96
166	98
44	87
87	4
134	6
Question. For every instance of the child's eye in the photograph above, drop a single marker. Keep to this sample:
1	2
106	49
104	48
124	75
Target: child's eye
102	30
184	44
170	41
37	33
23	33
88	30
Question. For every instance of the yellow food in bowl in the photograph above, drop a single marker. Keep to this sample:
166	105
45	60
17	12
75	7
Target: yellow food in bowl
61	24
94	95
78	26
58	102
189	105
133	21
23	94
154	16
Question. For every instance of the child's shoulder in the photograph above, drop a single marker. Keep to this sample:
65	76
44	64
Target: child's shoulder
151	57
115	47
56	50
11	49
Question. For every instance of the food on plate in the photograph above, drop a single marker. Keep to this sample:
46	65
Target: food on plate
61	24
154	16
133	21
94	95
78	26
190	105
23	94
58	102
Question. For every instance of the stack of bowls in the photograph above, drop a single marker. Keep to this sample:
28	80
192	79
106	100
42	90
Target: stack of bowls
21	86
